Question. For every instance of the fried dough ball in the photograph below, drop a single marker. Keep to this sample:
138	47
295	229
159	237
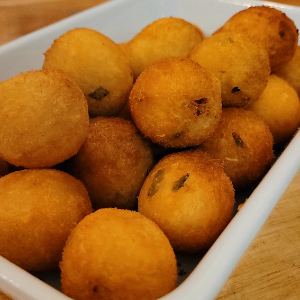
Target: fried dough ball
38	209
112	163
241	65
117	254
163	38
279	107
270	28
99	66
44	118
291	71
190	197
244	143
176	102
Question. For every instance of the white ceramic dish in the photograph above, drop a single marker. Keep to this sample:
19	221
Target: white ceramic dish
121	20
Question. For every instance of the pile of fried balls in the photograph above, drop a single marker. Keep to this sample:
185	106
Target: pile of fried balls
116	157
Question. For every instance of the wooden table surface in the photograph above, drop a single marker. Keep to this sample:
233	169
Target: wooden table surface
270	268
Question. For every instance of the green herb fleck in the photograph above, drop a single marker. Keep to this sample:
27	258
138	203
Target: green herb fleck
99	93
180	182
235	89
155	185
238	141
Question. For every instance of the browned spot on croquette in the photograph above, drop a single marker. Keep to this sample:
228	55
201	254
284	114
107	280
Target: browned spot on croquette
177	135
281	33
199	105
180	182
238	141
201	101
99	93
155	185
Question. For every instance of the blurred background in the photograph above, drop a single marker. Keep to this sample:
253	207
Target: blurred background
18	17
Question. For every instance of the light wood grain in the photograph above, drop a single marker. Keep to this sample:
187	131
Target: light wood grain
270	268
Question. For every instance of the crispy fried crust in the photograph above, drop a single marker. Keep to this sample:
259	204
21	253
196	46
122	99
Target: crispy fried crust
270	28
190	197
98	64
176	102
163	38
241	65
44	118
112	163
291	71
279	107
117	254
38	209
244	143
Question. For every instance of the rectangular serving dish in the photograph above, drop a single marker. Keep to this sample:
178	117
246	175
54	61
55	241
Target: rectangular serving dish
121	20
